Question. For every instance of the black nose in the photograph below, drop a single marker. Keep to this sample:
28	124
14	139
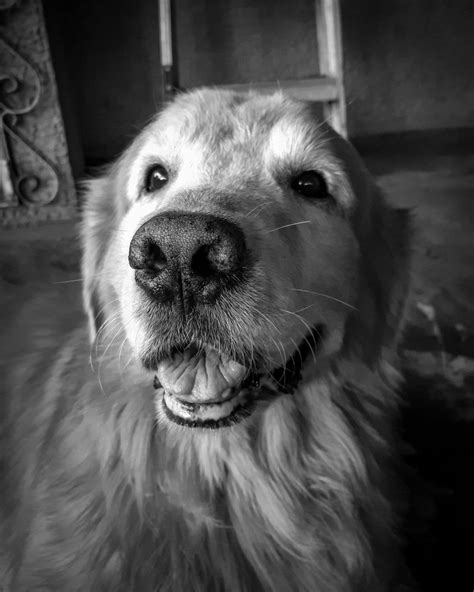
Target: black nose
186	259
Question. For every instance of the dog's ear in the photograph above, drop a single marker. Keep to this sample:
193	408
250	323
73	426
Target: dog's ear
385	253
384	237
98	221
104	205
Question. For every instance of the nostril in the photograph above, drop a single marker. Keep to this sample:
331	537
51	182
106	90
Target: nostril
221	257
147	255
156	259
202	262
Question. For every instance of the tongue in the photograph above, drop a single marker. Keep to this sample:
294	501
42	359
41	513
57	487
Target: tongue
202	376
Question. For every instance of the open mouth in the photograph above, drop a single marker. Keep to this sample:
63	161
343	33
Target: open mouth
200	388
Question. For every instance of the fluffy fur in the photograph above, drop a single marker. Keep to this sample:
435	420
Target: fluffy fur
102	493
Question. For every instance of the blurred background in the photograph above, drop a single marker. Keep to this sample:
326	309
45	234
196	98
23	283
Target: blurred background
408	64
79	79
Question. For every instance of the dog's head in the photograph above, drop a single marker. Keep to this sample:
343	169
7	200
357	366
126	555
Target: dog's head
237	240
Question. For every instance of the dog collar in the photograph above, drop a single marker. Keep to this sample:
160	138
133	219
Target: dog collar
288	377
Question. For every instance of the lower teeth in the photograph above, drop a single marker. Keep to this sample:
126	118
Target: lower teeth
214	415
203	412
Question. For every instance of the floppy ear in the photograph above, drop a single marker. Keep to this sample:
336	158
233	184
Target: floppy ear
384	236
104	206
98	221
385	249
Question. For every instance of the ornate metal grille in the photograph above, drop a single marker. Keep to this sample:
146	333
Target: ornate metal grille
35	175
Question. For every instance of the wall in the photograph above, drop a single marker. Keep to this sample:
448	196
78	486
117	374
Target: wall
408	63
226	41
107	53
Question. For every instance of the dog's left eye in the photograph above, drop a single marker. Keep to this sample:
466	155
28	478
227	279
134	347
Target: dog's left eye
310	184
156	177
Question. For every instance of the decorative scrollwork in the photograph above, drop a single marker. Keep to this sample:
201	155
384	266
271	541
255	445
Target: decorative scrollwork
27	176
39	188
4	4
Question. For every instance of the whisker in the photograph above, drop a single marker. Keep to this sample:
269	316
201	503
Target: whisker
102	308
98	337
133	349
81	279
266	318
297	349
114	317
69	281
281	350
106	347
310	330
325	296
260	205
304	308
120	356
111	320
116	334
289	225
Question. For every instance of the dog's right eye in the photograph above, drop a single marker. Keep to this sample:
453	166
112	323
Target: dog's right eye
156	177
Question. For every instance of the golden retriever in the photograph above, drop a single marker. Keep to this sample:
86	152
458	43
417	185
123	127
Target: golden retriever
229	421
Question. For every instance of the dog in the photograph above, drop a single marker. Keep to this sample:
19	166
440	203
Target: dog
227	419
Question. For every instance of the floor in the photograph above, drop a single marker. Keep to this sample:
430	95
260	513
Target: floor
436	181
437	184
434	177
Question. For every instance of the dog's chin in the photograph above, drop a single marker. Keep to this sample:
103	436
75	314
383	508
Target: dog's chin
198	386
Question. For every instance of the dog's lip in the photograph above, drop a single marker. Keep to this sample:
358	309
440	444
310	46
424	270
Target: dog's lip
238	401
207	415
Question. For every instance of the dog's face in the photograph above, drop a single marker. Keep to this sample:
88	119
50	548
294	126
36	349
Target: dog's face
234	238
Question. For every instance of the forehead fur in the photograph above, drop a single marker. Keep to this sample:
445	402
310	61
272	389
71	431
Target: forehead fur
220	120
216	117
208	131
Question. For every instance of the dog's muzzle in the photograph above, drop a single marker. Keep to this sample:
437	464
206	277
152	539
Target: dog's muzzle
184	261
